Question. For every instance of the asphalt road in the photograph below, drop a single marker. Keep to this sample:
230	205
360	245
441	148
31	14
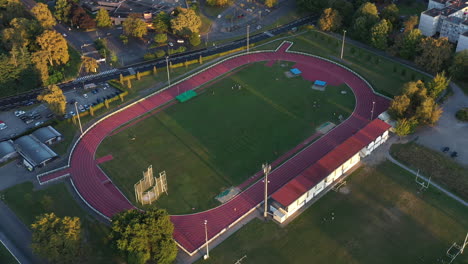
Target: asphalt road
14	101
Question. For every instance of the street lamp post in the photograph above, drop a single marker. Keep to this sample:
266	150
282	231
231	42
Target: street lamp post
206	239
248	28
342	45
167	67
78	115
372	111
266	170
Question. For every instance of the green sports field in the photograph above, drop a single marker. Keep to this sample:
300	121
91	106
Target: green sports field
220	138
381	218
5	256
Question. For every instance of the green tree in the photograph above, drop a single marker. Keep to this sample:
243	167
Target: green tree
54	98
90	64
435	54
438	84
103	19
55	47
269	3
57	239
403	127
313	6
186	22
459	68
408	44
160	53
144	236
134	26
43	15
390	13
345	9
368	9
160	38
217	2
379	34
195	39
330	20
63	10
10	9
161	22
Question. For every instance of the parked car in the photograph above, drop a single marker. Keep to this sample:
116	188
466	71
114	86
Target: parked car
19	113
28	121
3	125
36	117
445	150
85	95
171	44
454	154
50	115
38	123
23	117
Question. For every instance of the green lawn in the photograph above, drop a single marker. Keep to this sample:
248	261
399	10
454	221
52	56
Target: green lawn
440	167
5	256
386	76
381	220
219	140
28	203
411	7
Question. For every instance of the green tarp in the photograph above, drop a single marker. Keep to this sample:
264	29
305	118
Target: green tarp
183	97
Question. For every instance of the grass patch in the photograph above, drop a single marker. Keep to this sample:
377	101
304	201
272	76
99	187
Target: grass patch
387	77
382	220
5	256
214	11
411	8
221	137
28	203
462	114
433	164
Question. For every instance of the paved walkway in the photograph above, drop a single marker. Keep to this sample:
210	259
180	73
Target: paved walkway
458	199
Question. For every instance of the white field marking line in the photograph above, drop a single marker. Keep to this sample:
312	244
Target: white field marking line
3	243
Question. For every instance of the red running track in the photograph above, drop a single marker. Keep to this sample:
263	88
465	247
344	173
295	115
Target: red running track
100	193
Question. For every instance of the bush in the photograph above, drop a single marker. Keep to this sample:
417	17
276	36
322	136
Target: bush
353	50
149	56
195	39
160	53
160	38
462	114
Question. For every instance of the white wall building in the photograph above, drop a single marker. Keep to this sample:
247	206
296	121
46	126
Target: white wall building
463	42
449	18
319	177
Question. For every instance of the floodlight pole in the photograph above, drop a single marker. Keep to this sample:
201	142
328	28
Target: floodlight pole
248	45
266	170
372	111
342	45
206	239
78	115
167	67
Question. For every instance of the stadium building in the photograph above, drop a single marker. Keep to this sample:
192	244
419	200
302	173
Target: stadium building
328	171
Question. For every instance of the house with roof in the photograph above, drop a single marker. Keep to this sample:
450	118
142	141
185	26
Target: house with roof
448	18
34	153
328	171
7	151
47	135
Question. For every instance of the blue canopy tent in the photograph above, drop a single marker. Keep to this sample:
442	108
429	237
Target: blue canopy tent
295	71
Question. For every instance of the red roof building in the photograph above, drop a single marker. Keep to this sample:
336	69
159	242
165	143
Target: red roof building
328	169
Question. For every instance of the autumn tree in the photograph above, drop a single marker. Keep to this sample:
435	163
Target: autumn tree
437	85
161	22
10	9
43	15
81	18
390	13
459	68
407	44
160	38
269	3
399	105
195	39
330	20
89	64
405	127
134	26
379	34
217	2
144	236
39	58
63	10
345	9
364	19
54	98
57	239
435	54
103	19
410	23
55	47
186	22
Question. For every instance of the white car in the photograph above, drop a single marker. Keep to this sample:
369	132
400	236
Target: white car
38	123
19	113
171	44
85	95
3	125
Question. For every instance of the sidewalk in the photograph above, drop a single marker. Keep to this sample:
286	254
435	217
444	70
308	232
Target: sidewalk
448	193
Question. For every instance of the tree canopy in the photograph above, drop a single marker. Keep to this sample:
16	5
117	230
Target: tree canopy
217	2
160	38
103	19
459	68
90	64
437	85
435	54
144	236
55	99
55	47
379	34
134	26
63	10
186	22
161	22
330	20
407	44
43	15
195	39
390	13
57	239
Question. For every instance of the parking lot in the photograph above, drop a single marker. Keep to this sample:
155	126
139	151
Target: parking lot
86	98
23	121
